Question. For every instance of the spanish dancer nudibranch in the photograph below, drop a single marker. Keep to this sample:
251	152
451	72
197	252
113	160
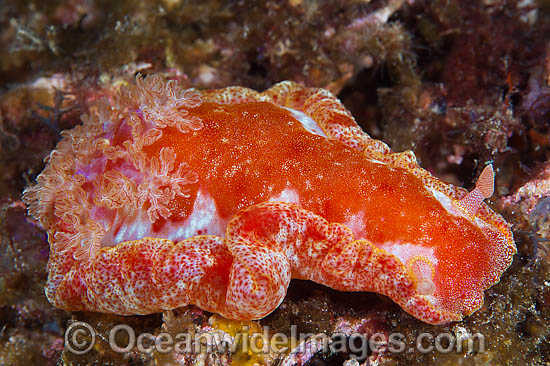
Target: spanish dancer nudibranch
166	197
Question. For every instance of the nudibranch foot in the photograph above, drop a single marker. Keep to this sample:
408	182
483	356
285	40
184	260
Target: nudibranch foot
166	197
245	275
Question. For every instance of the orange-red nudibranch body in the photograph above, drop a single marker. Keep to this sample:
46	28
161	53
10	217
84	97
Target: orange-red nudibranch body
172	197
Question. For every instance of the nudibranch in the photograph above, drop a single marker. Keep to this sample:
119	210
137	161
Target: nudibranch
166	197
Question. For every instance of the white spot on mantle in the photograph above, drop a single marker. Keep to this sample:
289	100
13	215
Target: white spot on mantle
307	122
287	195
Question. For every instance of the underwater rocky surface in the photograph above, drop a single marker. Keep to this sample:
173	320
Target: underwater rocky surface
458	82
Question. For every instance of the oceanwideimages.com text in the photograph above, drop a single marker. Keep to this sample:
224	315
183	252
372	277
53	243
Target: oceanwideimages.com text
80	338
